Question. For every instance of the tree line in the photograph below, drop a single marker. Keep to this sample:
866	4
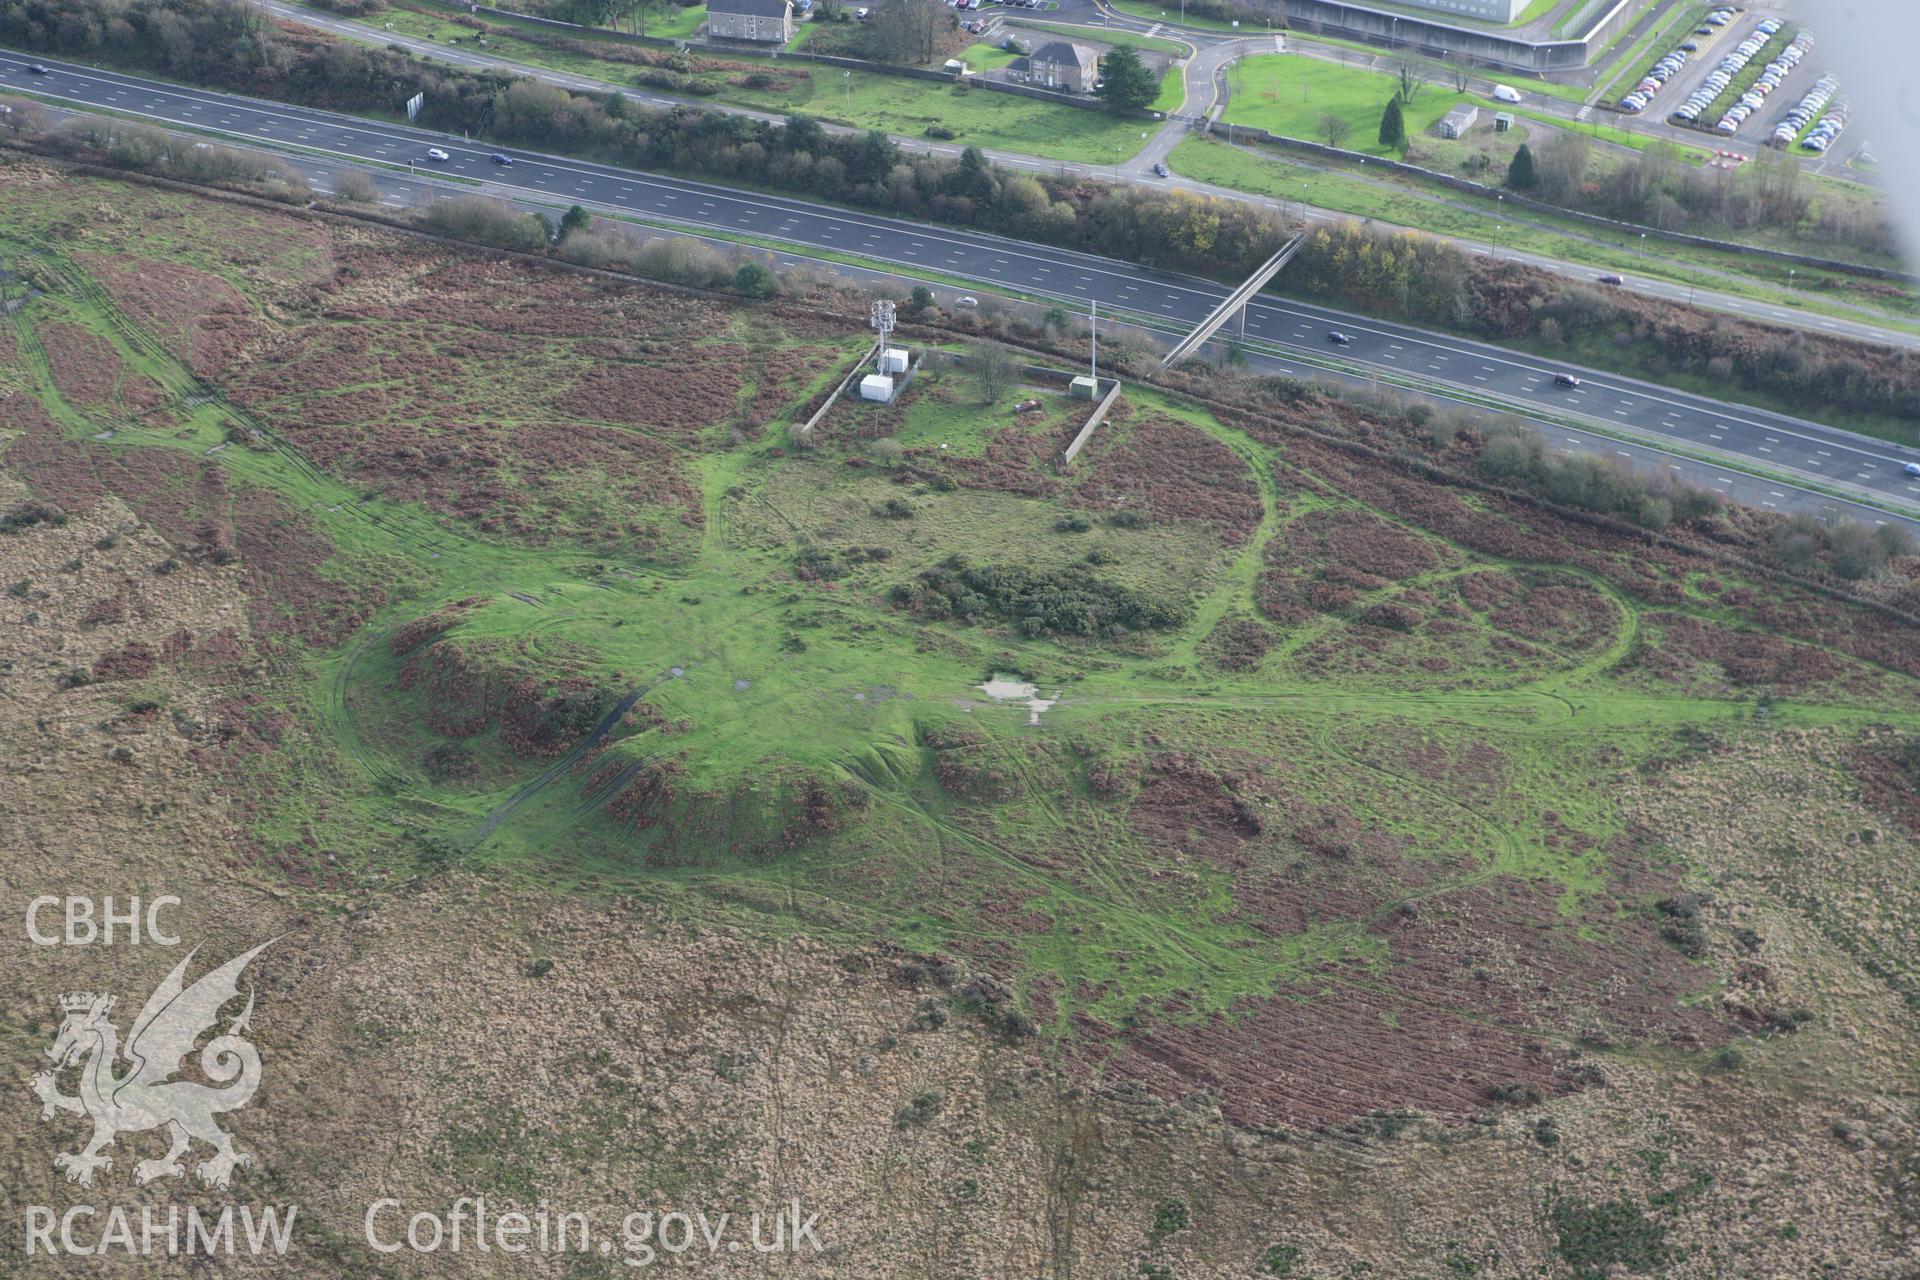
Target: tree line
228	44
1658	189
1435	282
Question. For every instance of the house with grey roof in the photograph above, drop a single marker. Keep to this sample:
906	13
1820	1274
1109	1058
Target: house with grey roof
763	21
1057	64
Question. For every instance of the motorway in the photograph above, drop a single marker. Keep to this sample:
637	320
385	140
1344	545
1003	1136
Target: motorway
1205	91
1656	416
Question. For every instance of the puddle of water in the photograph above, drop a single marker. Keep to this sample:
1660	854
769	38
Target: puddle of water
1002	687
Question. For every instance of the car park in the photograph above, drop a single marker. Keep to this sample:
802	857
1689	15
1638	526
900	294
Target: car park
1338	338
435	153
1566	379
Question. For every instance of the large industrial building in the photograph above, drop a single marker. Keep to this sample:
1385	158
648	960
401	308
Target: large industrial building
1458	30
1488	10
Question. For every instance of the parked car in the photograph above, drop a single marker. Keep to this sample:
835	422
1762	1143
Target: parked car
1160	169
497	158
1338	338
435	153
1610	278
1912	468
1566	380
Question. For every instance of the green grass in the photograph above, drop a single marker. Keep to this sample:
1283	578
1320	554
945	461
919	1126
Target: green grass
866	100
1157	12
760	685
986	57
979	117
1287	94
1407	204
1103	35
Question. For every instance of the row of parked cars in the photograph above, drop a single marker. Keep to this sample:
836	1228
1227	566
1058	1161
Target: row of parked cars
1828	128
1805	111
1659	73
1771	77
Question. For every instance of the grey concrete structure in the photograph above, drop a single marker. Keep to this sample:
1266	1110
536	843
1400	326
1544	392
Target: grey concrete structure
1532	48
1457	121
1488	10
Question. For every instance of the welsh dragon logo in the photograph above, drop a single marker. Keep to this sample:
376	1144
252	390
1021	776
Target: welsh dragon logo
143	1097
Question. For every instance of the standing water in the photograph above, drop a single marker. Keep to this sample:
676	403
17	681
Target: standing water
1002	687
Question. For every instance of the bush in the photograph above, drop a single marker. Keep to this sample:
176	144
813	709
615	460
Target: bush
1068	601
492	222
356	187
918	1112
27	514
753	280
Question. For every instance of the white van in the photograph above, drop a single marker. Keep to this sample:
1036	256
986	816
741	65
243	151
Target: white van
1506	93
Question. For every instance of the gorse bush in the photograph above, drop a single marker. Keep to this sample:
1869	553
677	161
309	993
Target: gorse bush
1069	602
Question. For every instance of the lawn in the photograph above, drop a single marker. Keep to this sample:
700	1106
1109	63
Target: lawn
864	99
1104	35
978	117
1287	94
1406	205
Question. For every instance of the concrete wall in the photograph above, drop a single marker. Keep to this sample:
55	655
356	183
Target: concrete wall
1490	10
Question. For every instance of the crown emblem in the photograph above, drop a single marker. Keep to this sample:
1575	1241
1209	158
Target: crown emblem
76	1001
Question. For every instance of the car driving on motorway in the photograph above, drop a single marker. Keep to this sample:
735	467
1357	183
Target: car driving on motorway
1610	278
499	158
435	153
1566	380
37	69
1338	338
1912	468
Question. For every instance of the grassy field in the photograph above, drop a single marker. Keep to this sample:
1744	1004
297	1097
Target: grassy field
1287	94
478	629
1404	204
1102	35
861	99
510	585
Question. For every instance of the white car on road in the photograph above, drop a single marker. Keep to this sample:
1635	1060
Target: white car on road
435	153
1913	469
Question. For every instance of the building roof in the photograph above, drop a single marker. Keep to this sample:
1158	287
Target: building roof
1466	111
750	8
1066	53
